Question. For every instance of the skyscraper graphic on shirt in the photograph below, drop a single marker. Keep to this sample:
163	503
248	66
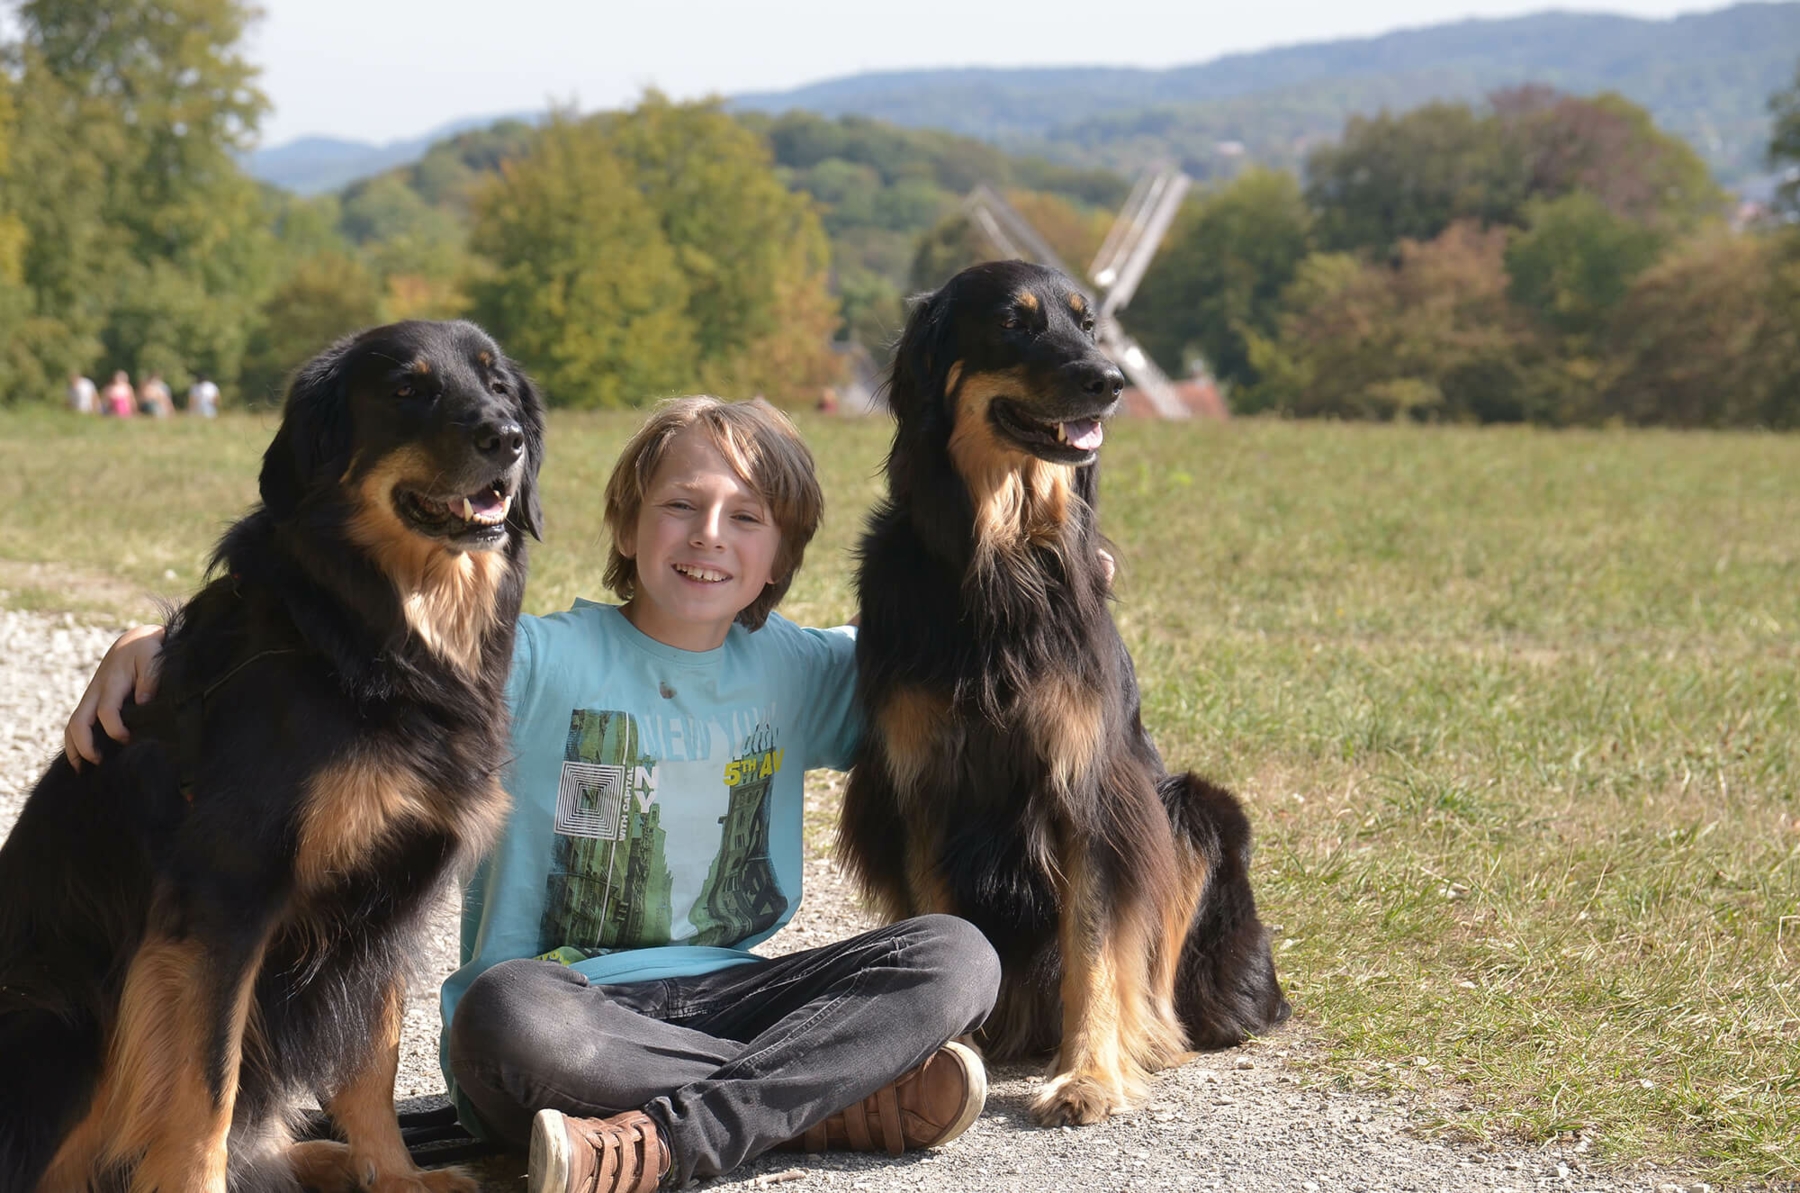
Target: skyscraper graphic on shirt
609	882
740	896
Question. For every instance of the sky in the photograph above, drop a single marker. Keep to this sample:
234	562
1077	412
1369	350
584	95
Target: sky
381	70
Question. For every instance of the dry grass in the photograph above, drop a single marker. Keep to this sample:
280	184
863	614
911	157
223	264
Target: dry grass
1514	713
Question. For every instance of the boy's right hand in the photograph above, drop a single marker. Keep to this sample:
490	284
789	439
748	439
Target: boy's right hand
129	668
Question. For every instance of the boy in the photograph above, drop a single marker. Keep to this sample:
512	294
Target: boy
656	836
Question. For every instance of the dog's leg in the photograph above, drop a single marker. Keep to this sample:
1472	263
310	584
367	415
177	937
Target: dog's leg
1091	1080
1106	941
375	1159
164	1102
1118	1022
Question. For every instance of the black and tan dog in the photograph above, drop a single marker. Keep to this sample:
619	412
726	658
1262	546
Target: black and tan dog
1005	775
217	919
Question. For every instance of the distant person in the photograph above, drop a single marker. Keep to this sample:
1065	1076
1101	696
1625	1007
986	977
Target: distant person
203	398
118	398
155	397
84	398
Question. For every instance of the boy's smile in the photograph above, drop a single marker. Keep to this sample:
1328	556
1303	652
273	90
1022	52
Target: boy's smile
704	546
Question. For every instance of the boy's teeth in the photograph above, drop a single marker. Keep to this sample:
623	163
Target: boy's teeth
696	573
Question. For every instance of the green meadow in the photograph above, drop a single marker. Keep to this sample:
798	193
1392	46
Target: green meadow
1514	713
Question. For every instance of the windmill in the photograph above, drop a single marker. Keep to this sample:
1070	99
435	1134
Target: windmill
1118	267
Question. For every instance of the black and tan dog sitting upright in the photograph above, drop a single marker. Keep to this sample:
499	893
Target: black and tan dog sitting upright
217	919
1005	775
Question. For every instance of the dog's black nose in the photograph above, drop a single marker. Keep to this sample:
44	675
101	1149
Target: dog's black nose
1101	380
501	438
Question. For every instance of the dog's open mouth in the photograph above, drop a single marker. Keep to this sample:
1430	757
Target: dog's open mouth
477	518
1071	441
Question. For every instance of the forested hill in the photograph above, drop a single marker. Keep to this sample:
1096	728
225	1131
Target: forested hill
1705	77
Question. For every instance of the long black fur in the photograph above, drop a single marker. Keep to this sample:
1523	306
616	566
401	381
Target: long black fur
985	629
295	653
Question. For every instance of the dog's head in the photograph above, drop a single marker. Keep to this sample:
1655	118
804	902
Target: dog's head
1004	354
427	427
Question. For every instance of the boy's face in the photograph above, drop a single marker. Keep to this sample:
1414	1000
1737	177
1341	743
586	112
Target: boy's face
704	547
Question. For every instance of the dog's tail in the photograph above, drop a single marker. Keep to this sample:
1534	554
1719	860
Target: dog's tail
1225	988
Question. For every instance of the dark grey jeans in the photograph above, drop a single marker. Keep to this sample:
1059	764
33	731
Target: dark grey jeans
729	1063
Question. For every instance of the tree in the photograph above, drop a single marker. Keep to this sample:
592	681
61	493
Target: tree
1410	177
1611	148
1431	337
753	253
124	177
1575	261
1710	337
584	287
1221	274
1784	146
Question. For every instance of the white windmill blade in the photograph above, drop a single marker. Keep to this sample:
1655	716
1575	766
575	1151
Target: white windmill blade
1151	224
1112	250
1007	230
1151	381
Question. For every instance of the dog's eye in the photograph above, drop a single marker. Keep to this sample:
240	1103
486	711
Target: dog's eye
497	385
1012	323
405	391
1087	325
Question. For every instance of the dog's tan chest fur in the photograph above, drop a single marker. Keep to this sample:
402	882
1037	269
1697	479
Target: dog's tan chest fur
1019	500
447	596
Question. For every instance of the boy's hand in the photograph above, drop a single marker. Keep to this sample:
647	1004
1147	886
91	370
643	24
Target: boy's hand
129	668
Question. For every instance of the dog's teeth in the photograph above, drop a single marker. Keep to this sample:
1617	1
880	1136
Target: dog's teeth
468	510
1062	433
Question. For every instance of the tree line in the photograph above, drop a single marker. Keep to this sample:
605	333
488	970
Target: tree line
1538	257
1546	258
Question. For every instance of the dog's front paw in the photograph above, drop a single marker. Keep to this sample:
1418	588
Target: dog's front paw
420	1180
324	1166
1076	1099
436	1180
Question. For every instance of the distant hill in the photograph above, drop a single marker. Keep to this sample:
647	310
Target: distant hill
1705	77
311	165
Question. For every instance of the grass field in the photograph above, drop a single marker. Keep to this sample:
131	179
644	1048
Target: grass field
1514	712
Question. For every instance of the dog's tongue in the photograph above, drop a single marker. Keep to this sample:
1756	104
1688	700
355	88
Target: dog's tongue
488	503
1084	433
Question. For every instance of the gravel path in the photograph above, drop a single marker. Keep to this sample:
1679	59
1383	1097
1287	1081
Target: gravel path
1247	1120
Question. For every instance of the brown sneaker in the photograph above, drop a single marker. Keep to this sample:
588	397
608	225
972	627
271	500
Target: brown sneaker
928	1106
622	1154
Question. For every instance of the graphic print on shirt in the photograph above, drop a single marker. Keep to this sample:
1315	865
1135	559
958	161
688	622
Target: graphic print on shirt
628	871
609	875
740	895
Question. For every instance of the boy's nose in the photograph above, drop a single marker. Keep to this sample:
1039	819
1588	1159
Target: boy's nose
707	528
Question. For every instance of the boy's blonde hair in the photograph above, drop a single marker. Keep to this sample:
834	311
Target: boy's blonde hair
762	446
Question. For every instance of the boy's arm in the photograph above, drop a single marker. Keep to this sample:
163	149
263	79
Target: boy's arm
129	668
830	688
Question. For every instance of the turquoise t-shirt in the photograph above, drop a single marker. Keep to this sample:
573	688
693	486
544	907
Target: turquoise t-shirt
657	795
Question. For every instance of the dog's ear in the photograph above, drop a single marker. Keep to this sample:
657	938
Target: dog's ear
314	438
921	359
527	512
